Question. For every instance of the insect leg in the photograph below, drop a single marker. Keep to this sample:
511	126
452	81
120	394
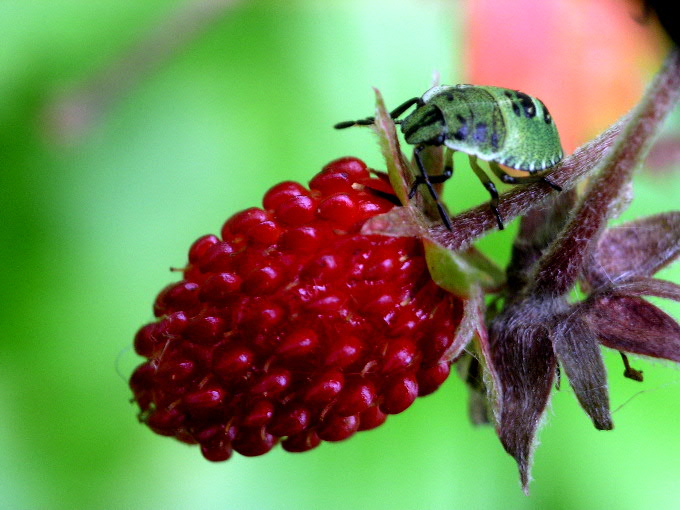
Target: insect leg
424	178
448	168
509	179
554	186
435	179
490	187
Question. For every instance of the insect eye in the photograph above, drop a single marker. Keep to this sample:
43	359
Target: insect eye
439	139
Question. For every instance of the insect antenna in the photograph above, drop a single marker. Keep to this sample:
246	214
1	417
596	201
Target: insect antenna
349	123
371	120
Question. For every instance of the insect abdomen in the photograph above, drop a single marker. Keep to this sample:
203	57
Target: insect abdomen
532	142
475	121
492	123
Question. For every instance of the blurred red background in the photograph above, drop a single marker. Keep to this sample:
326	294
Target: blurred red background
588	60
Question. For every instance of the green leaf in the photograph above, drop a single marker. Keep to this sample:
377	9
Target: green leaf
460	273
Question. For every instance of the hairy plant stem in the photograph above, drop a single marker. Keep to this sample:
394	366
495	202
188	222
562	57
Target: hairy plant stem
558	270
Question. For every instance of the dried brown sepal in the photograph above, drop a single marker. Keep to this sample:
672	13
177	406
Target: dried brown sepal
664	156
469	369
398	222
480	348
637	248
631	324
578	351
522	361
646	286
470	326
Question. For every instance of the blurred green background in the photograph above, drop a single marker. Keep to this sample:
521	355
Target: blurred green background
94	209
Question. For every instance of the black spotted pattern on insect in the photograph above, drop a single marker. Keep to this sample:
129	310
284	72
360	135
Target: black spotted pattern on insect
497	125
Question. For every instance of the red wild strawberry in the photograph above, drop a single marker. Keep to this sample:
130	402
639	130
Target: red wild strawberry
294	327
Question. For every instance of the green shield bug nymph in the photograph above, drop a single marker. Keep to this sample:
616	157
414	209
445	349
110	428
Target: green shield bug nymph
498	125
